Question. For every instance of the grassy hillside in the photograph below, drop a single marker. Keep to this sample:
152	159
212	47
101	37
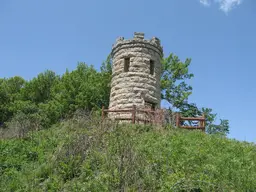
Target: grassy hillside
83	155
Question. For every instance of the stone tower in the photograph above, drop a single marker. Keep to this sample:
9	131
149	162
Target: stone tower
136	73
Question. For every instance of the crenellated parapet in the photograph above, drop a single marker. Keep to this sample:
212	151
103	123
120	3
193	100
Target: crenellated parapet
138	41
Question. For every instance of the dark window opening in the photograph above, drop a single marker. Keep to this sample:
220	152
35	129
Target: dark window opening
152	67
126	64
150	105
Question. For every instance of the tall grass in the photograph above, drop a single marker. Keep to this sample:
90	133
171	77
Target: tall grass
84	154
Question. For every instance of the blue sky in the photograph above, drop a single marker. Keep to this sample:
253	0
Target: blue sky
219	36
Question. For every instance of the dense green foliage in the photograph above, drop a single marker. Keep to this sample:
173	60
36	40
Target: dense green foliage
48	98
81	154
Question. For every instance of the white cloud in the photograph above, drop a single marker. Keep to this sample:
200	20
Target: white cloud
225	5
205	2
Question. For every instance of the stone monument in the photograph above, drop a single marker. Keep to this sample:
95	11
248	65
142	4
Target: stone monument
136	73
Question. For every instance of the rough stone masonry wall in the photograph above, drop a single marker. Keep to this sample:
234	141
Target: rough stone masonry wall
136	86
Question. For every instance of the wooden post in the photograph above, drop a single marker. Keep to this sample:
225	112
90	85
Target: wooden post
133	114
102	113
177	120
203	122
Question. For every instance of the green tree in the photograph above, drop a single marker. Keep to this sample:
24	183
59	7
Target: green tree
39	88
83	88
106	74
50	112
10	89
176	91
211	127
106	66
174	88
